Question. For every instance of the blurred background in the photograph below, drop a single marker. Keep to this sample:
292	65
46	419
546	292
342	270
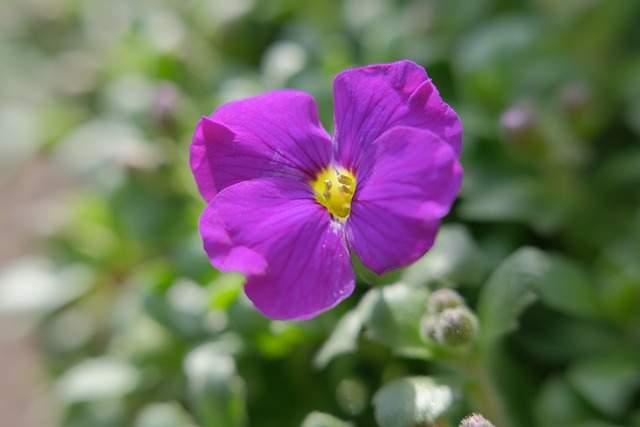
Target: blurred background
110	313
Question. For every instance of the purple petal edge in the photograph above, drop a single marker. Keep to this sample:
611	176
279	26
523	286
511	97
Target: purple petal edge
277	134
407	183
373	99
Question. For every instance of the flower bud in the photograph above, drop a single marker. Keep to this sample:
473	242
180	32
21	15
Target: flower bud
428	327
517	121
475	420
443	299
522	130
456	326
165	101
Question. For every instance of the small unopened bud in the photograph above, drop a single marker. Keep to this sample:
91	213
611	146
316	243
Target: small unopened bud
442	299
522	130
475	420
428	327
456	326
165	102
517	121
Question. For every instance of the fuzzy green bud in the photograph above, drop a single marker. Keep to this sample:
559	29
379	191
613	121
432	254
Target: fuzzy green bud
428	327
443	299
456	327
475	420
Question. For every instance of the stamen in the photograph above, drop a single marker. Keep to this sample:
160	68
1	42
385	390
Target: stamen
334	189
343	179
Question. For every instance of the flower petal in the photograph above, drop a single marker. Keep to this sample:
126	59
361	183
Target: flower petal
407	181
293	254
277	134
373	99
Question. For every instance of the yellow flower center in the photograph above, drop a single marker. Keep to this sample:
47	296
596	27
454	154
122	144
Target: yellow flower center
334	189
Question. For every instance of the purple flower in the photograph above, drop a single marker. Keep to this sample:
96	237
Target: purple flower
287	204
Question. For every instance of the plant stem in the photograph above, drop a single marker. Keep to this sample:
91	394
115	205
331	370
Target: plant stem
483	393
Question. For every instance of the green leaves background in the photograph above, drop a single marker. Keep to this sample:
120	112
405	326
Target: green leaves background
137	329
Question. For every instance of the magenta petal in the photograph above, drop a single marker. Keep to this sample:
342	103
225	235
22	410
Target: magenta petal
277	134
293	254
373	99
407	182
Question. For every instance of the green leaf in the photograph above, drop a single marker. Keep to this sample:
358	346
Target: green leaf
608	383
320	419
619	267
523	277
487	56
542	204
225	289
411	401
352	395
395	319
622	169
509	290
568	288
558	404
344	338
281	339
163	309
105	146
561	339
453	259
217	393
33	285
597	423
97	379
168	414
